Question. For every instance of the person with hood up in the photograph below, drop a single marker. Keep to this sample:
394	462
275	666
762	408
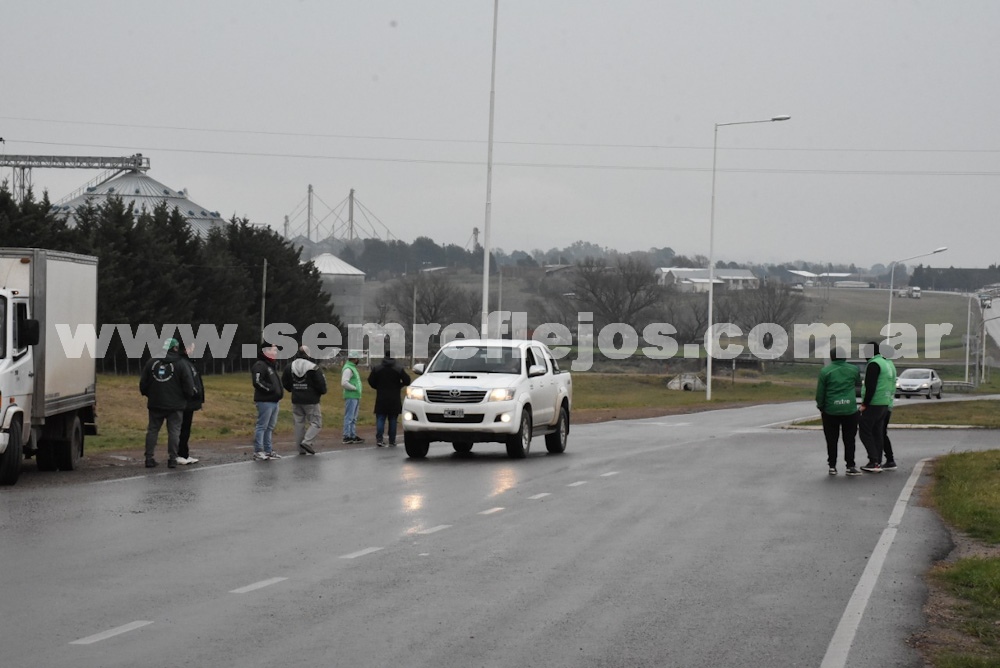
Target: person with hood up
167	384
305	380
267	392
387	379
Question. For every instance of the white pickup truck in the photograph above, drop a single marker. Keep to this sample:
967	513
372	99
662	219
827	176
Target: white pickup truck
492	390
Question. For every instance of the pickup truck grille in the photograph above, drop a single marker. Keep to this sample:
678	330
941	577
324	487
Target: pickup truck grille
455	396
465	419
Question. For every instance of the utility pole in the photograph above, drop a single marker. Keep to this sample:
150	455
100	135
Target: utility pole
309	214
350	216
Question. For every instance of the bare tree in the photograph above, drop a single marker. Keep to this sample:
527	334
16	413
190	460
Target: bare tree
428	296
771	303
619	291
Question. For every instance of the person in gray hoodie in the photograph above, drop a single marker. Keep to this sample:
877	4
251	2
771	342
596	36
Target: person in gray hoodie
305	380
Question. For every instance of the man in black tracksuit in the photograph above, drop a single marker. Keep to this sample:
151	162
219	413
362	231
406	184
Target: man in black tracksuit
167	384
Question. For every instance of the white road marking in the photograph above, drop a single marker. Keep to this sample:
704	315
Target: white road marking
97	637
539	496
609	473
360	553
257	585
775	424
440	527
491	511
577	483
840	645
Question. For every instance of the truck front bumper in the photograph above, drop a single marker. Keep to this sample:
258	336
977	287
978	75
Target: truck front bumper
484	422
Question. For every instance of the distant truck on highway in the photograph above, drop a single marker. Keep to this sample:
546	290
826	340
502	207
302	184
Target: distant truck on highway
48	398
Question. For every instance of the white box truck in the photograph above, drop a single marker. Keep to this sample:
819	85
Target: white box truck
48	397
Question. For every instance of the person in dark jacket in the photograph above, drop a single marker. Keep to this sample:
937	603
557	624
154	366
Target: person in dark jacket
880	388
267	392
838	408
388	378
167	384
193	404
305	380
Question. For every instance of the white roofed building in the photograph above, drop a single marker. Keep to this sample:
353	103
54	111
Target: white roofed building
345	285
696	279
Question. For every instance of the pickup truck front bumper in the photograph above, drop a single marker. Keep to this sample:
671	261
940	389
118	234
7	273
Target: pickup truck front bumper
485	422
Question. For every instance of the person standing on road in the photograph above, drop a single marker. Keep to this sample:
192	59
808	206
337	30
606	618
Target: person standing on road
305	380
193	404
835	398
879	389
350	381
267	392
387	379
890	459
167	384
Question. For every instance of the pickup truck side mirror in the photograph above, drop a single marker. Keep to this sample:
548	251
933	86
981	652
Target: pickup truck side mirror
536	370
30	333
418	368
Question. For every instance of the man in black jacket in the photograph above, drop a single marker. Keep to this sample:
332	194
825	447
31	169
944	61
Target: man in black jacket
167	384
305	380
193	404
388	379
267	392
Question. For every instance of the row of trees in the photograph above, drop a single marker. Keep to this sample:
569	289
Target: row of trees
154	269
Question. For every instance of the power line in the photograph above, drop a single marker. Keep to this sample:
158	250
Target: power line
535	165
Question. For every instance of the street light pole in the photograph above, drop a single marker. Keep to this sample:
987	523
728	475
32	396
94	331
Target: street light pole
892	272
489	183
711	251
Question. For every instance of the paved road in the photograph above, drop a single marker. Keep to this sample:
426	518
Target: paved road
711	539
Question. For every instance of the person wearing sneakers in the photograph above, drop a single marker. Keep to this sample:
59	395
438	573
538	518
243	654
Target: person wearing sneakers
387	379
838	408
350	381
167	384
890	459
267	392
193	404
879	389
305	380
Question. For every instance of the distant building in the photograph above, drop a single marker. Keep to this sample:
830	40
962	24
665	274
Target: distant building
696	280
345	285
143	192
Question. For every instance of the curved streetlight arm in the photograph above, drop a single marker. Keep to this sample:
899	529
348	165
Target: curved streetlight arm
892	274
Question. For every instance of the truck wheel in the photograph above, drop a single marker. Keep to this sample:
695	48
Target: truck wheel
68	452
10	460
462	447
45	456
416	446
518	444
556	441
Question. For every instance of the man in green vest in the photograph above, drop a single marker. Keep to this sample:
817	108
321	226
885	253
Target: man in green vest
880	387
835	399
350	381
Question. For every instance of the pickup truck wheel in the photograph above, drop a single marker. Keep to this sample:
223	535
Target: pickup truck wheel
556	441
45	456
416	446
68	452
462	447
10	460
518	444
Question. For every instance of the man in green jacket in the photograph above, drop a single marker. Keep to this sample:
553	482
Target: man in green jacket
350	382
835	399
880	387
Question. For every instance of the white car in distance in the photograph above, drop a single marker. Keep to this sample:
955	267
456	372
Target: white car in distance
488	390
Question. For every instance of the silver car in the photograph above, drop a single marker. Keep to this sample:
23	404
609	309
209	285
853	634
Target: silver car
913	382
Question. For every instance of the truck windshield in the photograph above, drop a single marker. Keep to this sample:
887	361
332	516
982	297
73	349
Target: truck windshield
477	359
3	329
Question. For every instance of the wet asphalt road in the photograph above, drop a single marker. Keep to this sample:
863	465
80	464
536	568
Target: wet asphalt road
709	539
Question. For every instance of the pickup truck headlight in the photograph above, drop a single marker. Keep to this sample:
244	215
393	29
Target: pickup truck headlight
501	394
415	393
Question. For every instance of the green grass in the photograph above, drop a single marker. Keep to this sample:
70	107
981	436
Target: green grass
967	493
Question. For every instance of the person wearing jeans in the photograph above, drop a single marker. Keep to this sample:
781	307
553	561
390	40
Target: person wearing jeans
267	392
387	379
350	381
168	385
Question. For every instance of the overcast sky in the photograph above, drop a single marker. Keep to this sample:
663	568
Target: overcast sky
604	117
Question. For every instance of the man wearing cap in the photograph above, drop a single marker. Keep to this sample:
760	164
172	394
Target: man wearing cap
835	399
350	381
167	384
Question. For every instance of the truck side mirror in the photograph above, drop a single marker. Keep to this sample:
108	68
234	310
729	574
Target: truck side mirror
30	332
536	370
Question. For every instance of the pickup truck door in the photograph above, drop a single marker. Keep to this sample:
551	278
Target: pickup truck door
543	388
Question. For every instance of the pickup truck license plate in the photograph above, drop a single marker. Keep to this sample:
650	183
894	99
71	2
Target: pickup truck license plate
454	412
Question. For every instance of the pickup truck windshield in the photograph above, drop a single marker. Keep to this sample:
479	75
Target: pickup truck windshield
477	359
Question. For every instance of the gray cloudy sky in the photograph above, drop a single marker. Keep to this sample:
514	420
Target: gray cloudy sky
604	116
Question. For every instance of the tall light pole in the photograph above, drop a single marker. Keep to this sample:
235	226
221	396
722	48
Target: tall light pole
711	250
489	183
892	273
